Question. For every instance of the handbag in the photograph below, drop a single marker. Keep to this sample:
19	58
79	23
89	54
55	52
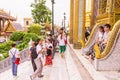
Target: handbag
66	42
17	61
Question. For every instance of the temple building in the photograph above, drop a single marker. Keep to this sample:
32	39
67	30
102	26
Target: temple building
27	22
8	25
4	18
90	14
12	27
83	17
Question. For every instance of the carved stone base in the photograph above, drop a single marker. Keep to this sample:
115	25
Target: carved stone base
71	41
77	45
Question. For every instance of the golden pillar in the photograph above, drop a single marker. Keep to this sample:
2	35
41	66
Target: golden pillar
92	13
71	20
79	23
83	23
76	44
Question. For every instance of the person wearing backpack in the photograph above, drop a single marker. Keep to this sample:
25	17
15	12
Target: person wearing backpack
33	54
15	58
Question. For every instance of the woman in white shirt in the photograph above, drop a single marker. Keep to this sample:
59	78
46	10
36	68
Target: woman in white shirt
61	40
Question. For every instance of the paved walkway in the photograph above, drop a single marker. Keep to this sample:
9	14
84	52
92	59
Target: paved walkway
62	69
57	71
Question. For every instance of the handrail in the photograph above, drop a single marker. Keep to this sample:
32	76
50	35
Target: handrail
110	42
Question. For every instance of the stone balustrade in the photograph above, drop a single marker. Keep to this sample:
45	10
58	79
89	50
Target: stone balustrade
6	64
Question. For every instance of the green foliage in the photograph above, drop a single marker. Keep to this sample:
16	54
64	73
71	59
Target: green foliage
5	55
35	28
17	36
2	58
29	36
26	40
41	12
22	45
4	48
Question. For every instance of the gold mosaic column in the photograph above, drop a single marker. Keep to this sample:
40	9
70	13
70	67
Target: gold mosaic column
83	20
92	13
71	20
76	45
79	23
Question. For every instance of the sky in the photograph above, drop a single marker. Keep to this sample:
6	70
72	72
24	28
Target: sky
22	9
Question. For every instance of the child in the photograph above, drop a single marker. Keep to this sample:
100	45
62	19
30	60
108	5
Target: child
49	53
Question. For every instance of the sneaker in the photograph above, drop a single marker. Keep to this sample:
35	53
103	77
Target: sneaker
40	76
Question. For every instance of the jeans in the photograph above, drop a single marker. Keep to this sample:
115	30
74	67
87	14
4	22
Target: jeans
14	69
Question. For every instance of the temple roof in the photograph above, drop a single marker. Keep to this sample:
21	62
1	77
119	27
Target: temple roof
12	26
5	15
18	26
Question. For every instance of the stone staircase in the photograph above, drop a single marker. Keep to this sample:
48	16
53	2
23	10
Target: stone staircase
89	69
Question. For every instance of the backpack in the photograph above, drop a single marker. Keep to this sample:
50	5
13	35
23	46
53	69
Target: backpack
49	52
13	58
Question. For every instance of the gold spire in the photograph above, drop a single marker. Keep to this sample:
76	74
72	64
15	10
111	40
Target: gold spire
47	23
9	14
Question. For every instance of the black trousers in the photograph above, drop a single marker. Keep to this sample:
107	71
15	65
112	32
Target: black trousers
33	64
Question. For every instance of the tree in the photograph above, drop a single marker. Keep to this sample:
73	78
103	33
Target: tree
35	28
40	12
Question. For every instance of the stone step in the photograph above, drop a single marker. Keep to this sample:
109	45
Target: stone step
71	67
81	69
96	75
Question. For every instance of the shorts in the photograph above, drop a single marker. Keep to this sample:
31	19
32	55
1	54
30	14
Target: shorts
62	49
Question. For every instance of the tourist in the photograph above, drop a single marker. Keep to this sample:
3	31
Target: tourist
100	35
15	58
52	40
38	61
91	54
33	55
61	40
105	36
48	60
